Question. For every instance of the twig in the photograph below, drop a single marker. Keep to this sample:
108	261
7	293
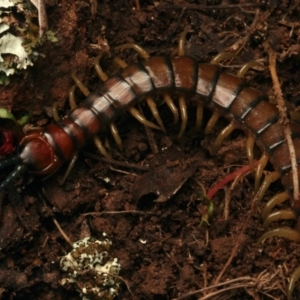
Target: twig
260	283
98	214
283	117
42	15
115	162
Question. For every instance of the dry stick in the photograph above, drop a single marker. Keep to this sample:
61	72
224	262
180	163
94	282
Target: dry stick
42	15
258	19
241	282
283	118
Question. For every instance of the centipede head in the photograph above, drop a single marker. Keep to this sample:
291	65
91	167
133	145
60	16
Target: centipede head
35	155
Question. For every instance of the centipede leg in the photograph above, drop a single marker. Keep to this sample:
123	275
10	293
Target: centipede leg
272	177
86	92
101	147
102	75
115	133
275	200
172	107
113	128
136	114
150	102
249	150
286	214
152	105
244	69
287	233
183	113
140	50
181	41
79	84
293	278
223	55
70	167
55	114
199	117
224	134
212	122
259	170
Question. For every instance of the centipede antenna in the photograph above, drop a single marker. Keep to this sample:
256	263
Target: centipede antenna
14	160
14	174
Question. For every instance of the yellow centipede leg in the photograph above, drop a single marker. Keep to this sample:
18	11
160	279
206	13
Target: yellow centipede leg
286	214
244	69
72	101
293	278
259	170
287	233
223	55
120	62
140	50
79	83
199	117
184	115
115	133
150	102
70	167
181	41
172	107
224	134
55	114
266	183
102	75
101	147
136	114
275	200
249	150
212	122
152	105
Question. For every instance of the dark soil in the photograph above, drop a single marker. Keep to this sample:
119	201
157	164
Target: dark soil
164	248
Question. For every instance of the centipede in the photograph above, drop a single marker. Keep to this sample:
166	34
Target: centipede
43	151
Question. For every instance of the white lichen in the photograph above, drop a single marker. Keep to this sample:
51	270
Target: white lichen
18	38
90	270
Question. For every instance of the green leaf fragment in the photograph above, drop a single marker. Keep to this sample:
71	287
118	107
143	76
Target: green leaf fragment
5	114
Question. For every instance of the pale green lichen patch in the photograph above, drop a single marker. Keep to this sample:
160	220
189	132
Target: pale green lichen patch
90	269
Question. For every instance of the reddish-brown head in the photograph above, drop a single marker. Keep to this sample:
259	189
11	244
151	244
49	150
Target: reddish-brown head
37	155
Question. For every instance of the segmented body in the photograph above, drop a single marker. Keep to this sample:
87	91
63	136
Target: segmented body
44	151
